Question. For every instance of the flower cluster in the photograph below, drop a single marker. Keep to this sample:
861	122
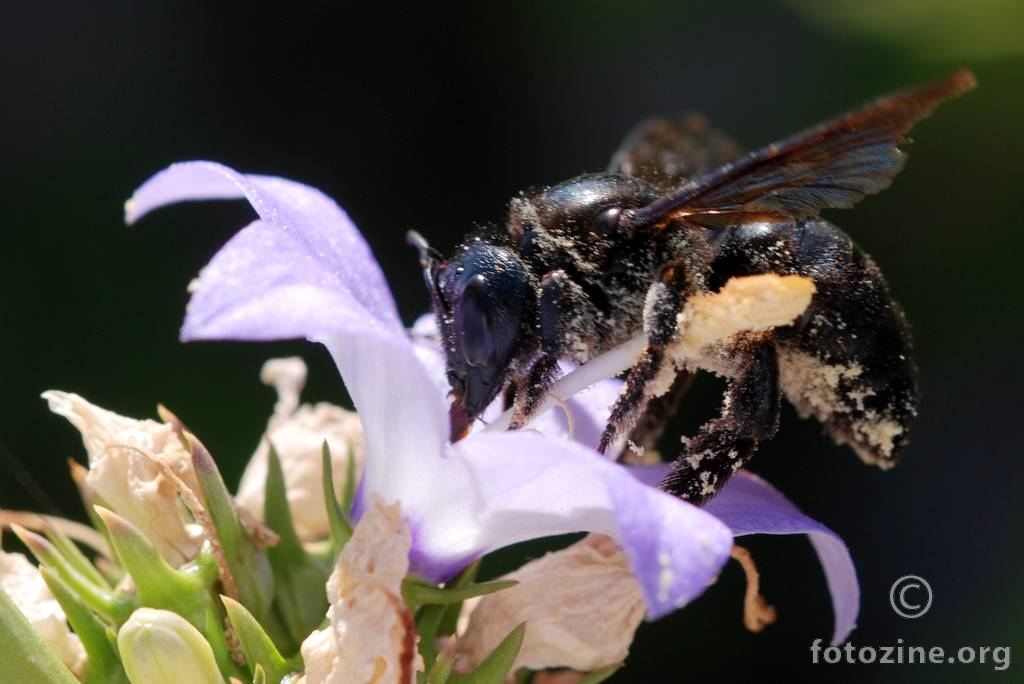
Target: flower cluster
349	551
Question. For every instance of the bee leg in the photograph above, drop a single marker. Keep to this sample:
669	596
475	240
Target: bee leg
723	445
561	303
664	301
533	390
652	423
508	397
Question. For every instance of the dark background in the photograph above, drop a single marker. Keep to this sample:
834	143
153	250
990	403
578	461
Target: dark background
422	118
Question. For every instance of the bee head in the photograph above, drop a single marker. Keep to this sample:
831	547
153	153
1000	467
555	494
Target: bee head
483	300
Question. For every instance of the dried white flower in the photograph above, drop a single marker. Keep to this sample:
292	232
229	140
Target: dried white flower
26	587
297	434
137	469
371	636
581	606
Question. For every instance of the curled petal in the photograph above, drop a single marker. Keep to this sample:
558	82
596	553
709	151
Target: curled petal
749	505
301	270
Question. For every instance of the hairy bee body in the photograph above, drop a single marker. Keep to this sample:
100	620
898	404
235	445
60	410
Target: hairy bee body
582	266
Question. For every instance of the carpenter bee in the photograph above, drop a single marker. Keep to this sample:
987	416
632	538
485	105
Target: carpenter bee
582	266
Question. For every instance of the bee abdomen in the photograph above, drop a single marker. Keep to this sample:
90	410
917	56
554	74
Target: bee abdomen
849	360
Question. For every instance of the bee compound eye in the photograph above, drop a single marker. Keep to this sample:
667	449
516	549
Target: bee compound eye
474	324
606	222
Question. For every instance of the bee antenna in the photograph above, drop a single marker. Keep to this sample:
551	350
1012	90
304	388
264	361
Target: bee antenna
427	253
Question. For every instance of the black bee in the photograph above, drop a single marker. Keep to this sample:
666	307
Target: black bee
587	264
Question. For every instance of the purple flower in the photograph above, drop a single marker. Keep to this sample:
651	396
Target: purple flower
302	270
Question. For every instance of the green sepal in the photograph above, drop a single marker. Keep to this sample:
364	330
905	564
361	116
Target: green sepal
101	599
450	621
249	566
260	652
337	513
495	668
27	658
158	584
428	622
215	635
441	670
348	494
103	665
418	593
300	594
259	676
74	556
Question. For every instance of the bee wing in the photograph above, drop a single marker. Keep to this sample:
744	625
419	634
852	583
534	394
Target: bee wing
832	165
668	152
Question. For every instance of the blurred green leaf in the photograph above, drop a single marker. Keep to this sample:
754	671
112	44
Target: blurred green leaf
115	606
341	528
104	665
300	593
27	658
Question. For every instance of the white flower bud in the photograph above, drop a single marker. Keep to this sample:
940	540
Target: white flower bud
26	587
581	606
298	436
161	647
137	469
371	636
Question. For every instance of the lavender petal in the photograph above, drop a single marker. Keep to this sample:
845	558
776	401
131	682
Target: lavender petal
497	489
749	505
302	270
